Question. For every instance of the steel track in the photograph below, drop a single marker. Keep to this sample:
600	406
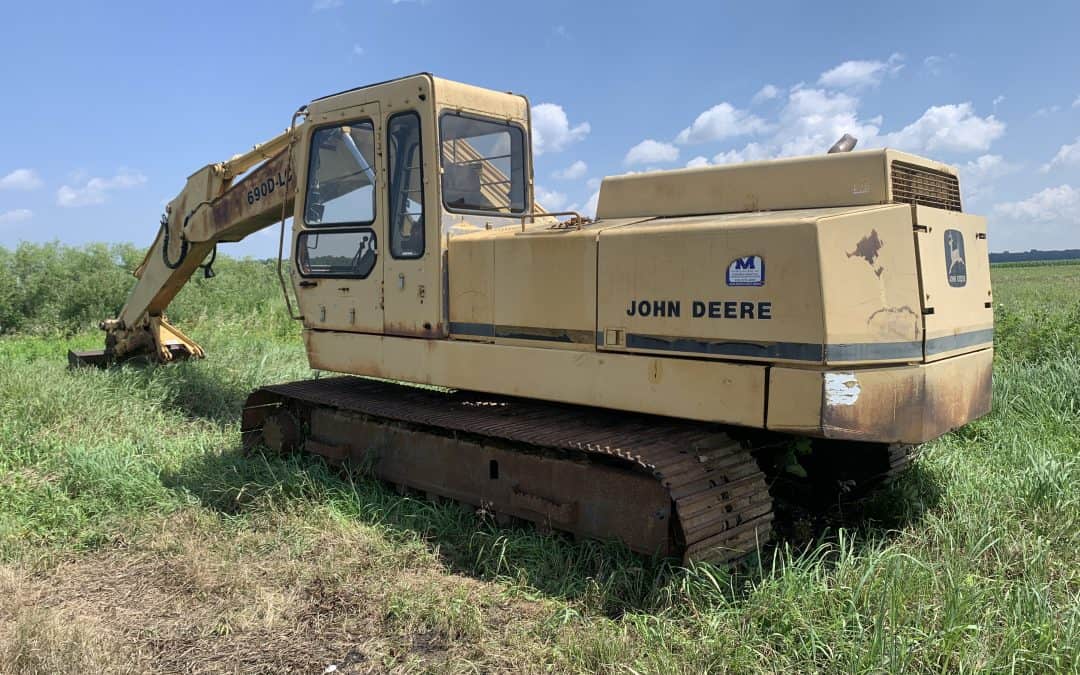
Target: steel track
661	485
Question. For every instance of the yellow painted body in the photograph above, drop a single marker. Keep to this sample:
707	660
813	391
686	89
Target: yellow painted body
840	296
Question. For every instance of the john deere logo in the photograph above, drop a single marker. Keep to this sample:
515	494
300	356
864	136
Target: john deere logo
955	259
748	271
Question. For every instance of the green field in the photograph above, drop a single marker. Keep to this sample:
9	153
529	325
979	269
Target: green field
135	536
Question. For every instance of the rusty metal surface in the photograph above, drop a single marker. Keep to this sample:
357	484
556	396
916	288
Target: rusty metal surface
914	408
253	202
576	496
579	469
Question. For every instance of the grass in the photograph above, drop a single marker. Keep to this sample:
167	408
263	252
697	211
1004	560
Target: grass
135	536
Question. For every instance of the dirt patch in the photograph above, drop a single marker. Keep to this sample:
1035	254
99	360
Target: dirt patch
188	605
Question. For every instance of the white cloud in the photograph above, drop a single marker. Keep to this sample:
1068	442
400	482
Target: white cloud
550	199
1076	103
21	179
651	152
590	206
1067	155
813	119
1047	111
320	5
978	175
572	172
96	190
1059	205
719	122
948	127
856	74
766	93
15	216
551	130
751	152
998	100
358	50
935	64
593	183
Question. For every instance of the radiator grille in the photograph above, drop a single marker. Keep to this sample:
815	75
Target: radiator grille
919	185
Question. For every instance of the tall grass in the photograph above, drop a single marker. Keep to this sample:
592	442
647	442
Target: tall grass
52	289
970	562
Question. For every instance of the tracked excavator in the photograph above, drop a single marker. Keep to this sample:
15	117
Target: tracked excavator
620	377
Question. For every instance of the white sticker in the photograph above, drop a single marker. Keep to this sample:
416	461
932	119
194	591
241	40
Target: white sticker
748	271
841	389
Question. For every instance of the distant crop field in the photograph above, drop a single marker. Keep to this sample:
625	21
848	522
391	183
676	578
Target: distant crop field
1036	263
135	536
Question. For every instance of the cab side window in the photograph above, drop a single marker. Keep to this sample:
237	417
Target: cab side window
341	181
406	220
483	164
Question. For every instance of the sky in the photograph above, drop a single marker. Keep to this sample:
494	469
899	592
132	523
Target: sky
108	107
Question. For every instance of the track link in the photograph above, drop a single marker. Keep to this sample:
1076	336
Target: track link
662	486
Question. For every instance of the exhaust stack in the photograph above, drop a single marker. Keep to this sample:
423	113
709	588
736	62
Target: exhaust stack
845	144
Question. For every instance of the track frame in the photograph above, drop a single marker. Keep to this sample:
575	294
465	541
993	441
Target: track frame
662	486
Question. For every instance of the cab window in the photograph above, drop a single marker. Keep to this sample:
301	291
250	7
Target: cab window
341	181
406	186
483	164
337	253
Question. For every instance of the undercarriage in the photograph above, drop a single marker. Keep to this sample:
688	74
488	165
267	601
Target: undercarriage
662	486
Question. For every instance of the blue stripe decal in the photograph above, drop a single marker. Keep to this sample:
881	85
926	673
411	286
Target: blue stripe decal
478	329
950	342
792	351
874	351
796	351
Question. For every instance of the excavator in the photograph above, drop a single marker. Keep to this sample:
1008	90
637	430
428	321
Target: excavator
629	377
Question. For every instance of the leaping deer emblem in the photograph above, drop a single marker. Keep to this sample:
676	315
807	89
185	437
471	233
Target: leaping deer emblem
954	246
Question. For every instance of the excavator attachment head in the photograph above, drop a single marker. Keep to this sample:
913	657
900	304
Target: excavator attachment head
94	358
100	358
154	341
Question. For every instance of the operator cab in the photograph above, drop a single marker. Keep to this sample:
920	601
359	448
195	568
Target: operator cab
389	170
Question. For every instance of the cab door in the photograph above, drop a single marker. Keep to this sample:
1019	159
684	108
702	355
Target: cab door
412	298
338	247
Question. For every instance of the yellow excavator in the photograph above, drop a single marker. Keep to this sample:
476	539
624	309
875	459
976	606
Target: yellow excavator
620	377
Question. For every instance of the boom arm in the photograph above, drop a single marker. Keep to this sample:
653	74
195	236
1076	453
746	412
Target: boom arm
210	209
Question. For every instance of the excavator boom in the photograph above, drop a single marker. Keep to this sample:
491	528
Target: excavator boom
213	207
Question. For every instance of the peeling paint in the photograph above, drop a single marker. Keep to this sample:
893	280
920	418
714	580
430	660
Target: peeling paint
841	389
867	249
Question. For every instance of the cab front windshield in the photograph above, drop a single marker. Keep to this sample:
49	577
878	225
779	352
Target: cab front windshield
483	165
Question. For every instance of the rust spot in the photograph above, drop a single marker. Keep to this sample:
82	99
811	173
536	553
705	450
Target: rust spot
255	201
867	249
407	329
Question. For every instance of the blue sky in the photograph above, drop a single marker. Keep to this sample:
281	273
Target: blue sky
109	106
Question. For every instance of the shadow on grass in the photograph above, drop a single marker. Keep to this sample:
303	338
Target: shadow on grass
869	513
604	576
194	388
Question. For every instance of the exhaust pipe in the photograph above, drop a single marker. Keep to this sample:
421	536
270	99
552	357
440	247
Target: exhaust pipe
845	144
